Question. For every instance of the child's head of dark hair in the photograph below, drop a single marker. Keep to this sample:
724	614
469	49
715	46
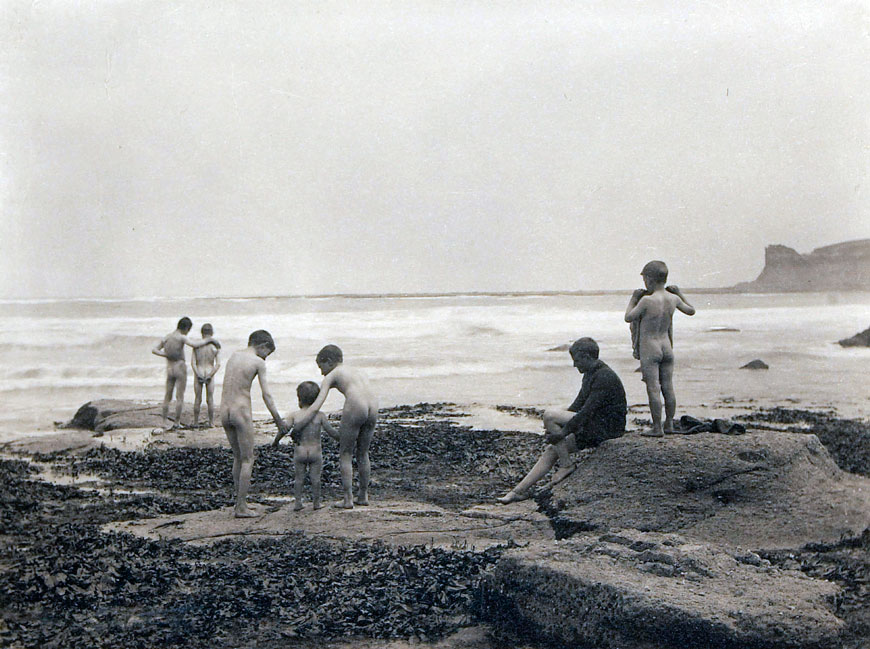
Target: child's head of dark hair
207	329
584	347
261	337
330	354
657	271
184	325
307	392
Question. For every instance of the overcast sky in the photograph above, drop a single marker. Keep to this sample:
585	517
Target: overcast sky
265	148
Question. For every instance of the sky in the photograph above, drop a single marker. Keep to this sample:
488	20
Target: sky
217	148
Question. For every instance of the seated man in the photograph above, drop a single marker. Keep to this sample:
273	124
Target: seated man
597	414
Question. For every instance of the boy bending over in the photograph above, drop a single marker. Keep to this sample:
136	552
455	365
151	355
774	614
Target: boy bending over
307	451
653	309
172	349
243	366
358	419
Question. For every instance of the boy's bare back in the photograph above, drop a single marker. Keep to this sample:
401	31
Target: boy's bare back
309	434
205	356
239	374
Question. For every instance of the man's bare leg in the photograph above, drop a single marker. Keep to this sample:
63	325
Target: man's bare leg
363	464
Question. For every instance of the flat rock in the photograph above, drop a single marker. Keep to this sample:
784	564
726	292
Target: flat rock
767	490
757	364
103	415
394	522
635	589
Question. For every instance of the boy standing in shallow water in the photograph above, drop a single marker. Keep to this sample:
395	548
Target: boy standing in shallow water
205	364
307	451
236	417
172	349
653	309
358	419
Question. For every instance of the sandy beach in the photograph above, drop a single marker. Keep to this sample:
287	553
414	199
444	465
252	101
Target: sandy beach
126	539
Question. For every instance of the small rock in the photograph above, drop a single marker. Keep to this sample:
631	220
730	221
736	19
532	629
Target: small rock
861	339
757	364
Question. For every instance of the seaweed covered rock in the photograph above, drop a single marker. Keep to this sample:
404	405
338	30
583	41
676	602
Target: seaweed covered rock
103	415
646	589
760	490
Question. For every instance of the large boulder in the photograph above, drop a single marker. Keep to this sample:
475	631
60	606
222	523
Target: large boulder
768	490
860	339
635	589
103	415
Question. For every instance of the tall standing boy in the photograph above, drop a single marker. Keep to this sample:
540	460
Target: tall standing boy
205	364
653	308
236	416
172	349
358	419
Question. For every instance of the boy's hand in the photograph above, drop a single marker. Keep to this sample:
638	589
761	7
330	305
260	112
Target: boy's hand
554	438
673	288
294	435
638	293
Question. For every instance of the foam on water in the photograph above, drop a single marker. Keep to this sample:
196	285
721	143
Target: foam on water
54	355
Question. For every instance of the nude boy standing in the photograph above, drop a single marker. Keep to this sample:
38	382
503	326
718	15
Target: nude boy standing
172	349
236	416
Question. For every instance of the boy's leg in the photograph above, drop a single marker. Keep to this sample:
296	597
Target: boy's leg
244	428
197	400
352	419
363	464
315	470
180	386
209	398
650	370
167	395
666	376
299	466
233	439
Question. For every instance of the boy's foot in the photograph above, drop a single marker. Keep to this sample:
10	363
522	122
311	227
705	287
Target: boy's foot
561	474
362	502
342	505
298	507
317	506
652	433
245	513
513	497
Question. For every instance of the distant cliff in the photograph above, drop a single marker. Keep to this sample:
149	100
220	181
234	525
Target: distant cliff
840	267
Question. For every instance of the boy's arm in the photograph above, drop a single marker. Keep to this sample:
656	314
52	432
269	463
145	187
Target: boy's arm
158	349
288	425
196	344
308	414
193	364
267	397
683	305
217	364
636	306
331	430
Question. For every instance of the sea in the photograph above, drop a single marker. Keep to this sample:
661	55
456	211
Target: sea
478	351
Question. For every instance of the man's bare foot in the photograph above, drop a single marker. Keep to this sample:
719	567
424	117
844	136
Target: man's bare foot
343	505
652	433
245	513
317	506
297	507
513	497
563	473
